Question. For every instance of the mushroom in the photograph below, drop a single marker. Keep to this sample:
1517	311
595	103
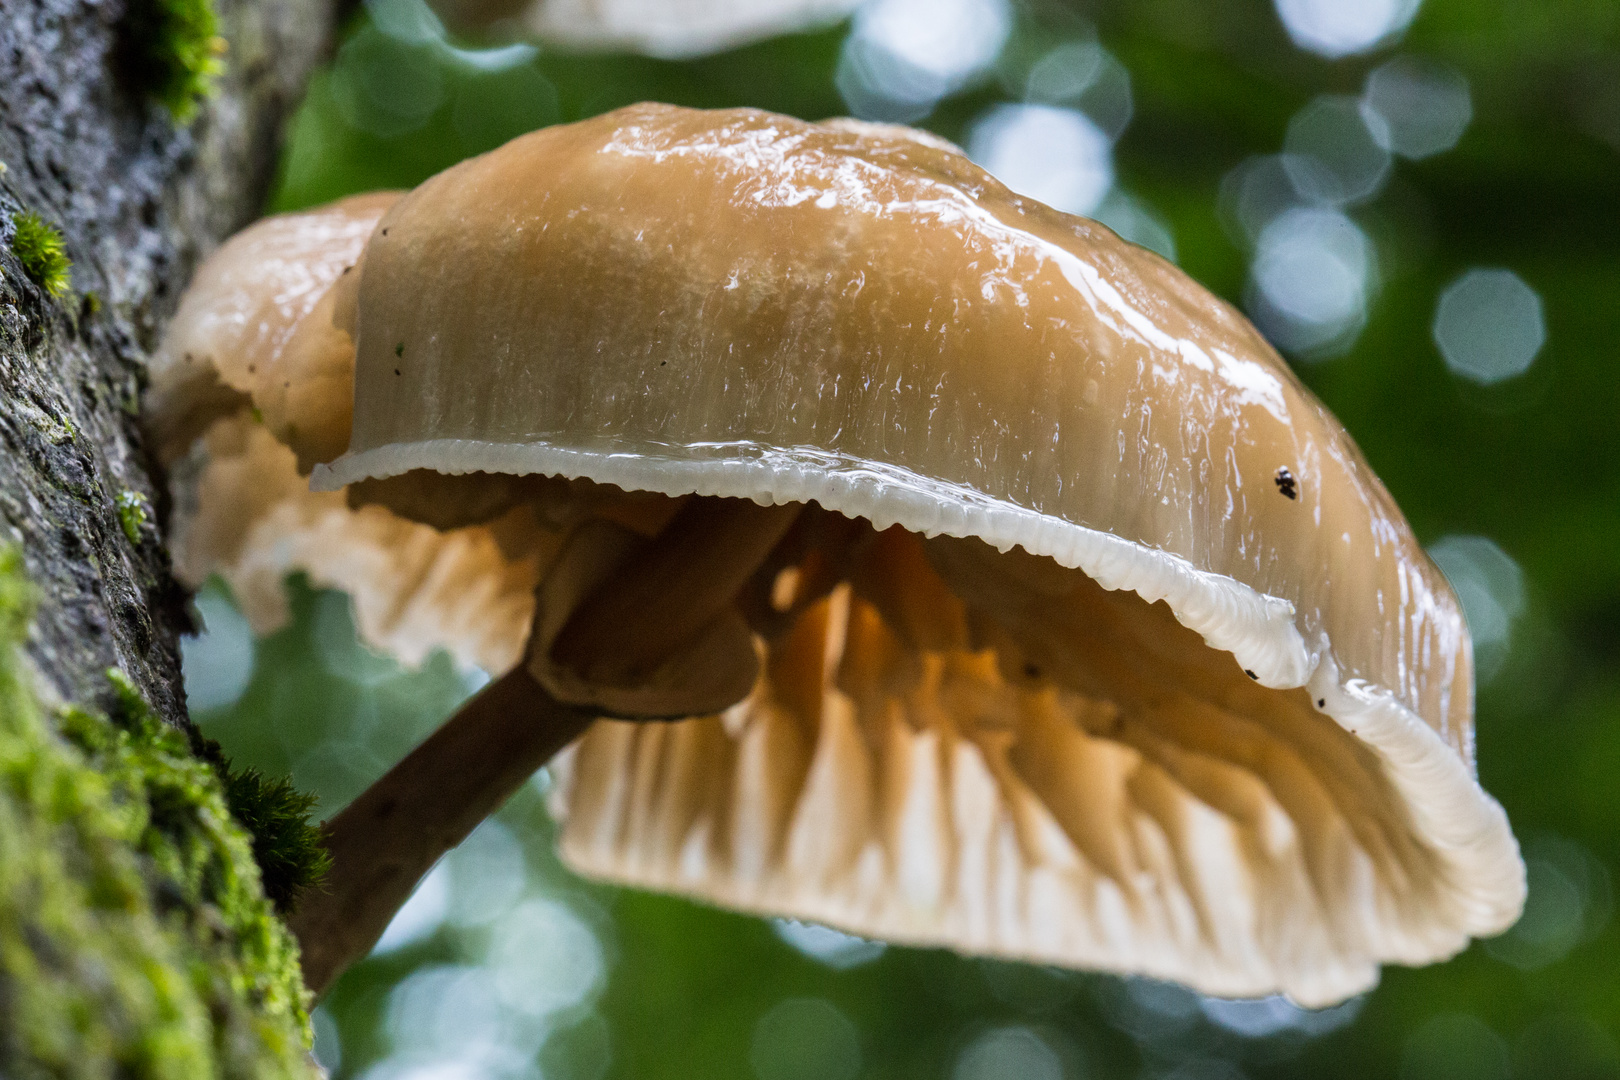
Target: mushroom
674	29
1016	596
224	350
256	348
254	375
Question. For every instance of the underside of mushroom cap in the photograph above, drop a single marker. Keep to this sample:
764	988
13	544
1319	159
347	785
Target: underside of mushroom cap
960	747
243	512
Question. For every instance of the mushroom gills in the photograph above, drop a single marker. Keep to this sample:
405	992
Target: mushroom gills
243	512
951	745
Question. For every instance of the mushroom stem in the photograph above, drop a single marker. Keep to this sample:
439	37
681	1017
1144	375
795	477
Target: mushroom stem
387	839
660	603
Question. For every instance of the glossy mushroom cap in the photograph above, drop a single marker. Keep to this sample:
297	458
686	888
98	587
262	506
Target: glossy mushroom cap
261	348
247	333
1212	723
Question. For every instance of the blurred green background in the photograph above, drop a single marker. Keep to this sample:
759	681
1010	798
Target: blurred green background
1419	203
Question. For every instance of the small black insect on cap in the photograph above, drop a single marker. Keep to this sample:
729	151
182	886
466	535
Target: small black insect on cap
1287	484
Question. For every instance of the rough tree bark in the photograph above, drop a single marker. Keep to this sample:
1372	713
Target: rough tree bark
138	198
123	902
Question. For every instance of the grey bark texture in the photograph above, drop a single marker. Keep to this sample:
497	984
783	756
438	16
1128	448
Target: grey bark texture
139	199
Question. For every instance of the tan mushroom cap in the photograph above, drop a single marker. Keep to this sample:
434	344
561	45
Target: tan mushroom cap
232	342
259	363
259	346
1262	783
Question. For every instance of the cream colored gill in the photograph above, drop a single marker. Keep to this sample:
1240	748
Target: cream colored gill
1004	758
243	512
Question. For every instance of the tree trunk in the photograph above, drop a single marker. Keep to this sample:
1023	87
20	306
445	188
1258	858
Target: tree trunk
134	938
139	198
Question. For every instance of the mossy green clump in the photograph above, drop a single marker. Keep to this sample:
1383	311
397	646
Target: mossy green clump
286	842
287	845
174	51
135	939
132	514
38	246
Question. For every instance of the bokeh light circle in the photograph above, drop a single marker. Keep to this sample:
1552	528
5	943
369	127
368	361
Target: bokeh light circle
1056	155
1454	1046
1136	221
1085	76
1335	151
1253	194
1335	28
1313	271
1490	587
384	86
834	948
1570	902
1425	107
545	958
1008	1052
1489	325
218	662
805	1039
903	56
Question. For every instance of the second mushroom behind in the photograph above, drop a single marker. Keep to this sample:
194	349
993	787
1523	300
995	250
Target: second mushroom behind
926	545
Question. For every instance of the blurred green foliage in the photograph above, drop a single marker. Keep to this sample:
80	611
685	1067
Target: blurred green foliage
1533	463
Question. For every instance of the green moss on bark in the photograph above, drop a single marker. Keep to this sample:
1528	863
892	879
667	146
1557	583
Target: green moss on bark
38	246
132	514
287	844
174	51
135	939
